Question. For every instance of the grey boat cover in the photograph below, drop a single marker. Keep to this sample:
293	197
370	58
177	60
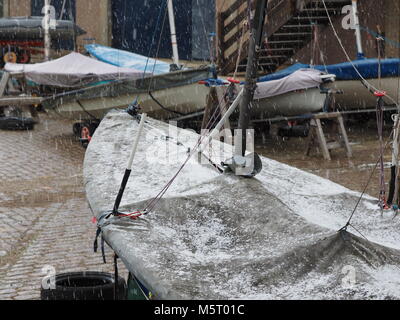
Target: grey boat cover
217	236
30	28
128	86
299	80
72	70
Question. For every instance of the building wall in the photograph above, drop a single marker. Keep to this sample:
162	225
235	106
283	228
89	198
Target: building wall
19	8
392	26
328	44
93	16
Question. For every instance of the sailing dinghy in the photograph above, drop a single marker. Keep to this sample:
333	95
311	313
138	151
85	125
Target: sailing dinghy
191	227
220	236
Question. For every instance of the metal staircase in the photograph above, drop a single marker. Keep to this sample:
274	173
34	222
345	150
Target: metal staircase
290	27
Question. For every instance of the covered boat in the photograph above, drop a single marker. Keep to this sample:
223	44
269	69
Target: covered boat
71	71
220	236
126	59
23	28
163	95
356	95
298	93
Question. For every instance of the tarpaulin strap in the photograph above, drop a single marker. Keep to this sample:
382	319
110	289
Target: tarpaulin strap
95	244
116	276
103	254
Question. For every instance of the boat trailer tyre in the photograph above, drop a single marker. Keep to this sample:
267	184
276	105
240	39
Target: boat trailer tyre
86	132
85	286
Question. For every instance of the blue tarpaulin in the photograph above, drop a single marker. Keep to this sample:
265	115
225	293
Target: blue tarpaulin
368	68
126	59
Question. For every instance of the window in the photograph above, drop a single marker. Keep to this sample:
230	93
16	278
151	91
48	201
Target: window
60	5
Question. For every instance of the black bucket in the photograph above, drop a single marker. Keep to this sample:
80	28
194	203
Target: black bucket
89	285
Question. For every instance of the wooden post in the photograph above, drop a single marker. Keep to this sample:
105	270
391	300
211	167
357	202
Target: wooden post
344	135
223	106
318	132
210	106
322	141
4	82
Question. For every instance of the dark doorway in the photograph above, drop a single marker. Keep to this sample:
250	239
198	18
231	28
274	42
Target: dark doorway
135	27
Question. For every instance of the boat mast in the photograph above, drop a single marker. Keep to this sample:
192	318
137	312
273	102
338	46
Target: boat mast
47	39
255	44
360	52
174	42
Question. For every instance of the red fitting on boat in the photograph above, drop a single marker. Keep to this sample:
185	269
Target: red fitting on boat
380	93
231	80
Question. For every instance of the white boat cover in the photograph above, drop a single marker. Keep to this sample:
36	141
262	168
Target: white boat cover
72	70
299	80
217	236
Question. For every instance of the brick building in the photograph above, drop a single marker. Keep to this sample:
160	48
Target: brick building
299	30
129	24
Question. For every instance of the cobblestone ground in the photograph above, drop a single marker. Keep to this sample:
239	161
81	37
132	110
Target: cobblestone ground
44	217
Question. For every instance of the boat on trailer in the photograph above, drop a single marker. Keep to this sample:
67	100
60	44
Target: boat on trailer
162	95
302	92
355	94
357	80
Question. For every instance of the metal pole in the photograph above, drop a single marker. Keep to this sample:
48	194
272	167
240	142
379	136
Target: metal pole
255	43
360	52
47	39
174	42
129	166
222	121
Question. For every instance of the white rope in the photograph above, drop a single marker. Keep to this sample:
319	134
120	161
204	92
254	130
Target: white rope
369	85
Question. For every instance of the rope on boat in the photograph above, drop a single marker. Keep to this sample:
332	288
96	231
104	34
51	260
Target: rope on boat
152	203
367	84
373	90
379	119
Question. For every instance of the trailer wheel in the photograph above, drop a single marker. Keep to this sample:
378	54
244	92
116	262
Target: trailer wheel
76	128
86	132
10	57
24	57
85	286
86	135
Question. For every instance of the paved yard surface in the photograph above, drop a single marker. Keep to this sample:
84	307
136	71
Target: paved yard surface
44	217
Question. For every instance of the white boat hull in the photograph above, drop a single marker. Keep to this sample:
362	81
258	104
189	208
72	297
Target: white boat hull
357	96
289	104
184	99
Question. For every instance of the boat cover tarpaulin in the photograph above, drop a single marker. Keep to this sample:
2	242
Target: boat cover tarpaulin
72	70
217	236
125	87
126	59
298	80
368	68
30	28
